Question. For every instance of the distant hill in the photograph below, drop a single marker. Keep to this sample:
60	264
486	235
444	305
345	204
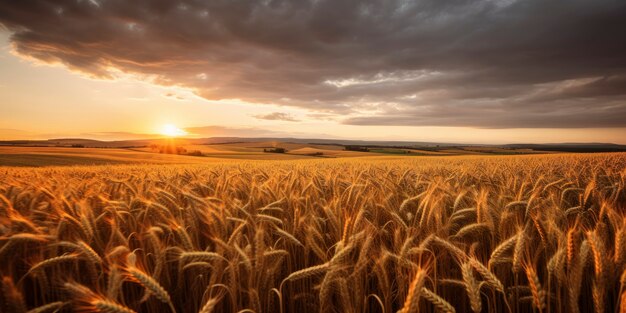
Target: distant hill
572	147
213	140
89	143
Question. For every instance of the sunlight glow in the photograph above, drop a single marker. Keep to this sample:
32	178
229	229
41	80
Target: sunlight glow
172	131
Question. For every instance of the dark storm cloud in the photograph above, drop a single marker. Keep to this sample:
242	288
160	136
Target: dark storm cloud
559	115
277	116
222	131
481	63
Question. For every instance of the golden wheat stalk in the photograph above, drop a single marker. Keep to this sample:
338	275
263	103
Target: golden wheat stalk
472	287
309	271
411	304
86	299
440	303
151	285
50	307
538	293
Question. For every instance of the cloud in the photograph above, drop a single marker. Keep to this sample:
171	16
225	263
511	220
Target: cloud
223	131
323	116
481	63
249	132
591	115
277	116
174	96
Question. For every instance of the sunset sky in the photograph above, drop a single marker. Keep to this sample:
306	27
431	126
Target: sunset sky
483	71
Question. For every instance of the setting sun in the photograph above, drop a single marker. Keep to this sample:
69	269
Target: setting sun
171	130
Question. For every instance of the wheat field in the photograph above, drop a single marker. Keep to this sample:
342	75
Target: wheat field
466	234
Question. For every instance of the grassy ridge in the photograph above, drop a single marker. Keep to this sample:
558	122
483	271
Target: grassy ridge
482	234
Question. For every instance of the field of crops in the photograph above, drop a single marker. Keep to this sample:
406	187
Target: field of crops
467	234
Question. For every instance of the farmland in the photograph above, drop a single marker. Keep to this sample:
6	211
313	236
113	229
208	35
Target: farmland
63	152
532	233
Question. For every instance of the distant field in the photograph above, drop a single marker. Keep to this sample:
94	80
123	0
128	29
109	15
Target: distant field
57	156
254	151
476	233
294	150
50	156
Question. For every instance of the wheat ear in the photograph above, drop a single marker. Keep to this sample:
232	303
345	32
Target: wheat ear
441	304
472	287
152	285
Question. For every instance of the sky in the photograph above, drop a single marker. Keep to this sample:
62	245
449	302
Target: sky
480	71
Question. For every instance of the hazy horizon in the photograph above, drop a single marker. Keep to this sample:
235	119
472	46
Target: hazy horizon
117	136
